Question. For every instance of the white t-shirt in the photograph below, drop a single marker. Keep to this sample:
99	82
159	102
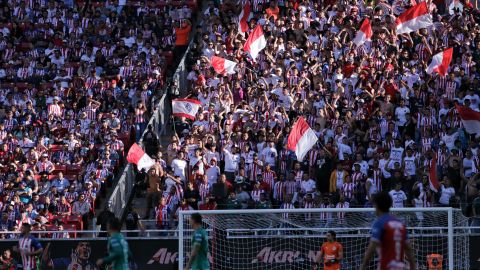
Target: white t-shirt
308	186
178	167
342	150
398	197
396	153
373	187
212	174
447	193
270	155
450	140
231	161
400	114
381	164
410	166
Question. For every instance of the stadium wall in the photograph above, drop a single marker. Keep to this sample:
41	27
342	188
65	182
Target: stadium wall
150	254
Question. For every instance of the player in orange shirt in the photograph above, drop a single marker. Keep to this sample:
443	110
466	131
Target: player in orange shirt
331	252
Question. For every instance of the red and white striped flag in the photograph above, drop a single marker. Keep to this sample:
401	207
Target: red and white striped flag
470	119
256	42
364	33
184	107
434	184
414	18
301	139
243	18
137	156
222	65
440	62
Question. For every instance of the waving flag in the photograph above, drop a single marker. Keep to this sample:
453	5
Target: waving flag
364	34
440	62
183	107
414	18
222	65
470	119
301	139
137	156
243	18
434	184
256	42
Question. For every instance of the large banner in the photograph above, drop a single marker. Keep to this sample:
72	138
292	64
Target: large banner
148	254
264	253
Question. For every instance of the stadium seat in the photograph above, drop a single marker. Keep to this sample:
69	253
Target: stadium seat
71	177
73	169
71	228
22	86
75	220
55	148
50	227
60	168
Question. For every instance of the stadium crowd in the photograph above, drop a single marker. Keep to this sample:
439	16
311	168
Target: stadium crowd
380	118
77	83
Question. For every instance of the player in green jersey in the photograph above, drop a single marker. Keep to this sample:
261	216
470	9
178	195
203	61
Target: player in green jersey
198	258
118	251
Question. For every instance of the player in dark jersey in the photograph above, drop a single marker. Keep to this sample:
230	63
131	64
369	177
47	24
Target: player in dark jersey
389	238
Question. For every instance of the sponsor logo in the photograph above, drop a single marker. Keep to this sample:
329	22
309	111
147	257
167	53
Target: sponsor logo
163	256
268	255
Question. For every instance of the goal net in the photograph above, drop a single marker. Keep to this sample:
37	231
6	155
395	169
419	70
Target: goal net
291	238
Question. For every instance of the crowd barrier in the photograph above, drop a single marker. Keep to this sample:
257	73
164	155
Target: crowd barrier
123	189
121	194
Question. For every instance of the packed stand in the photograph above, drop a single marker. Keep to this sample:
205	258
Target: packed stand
380	118
77	84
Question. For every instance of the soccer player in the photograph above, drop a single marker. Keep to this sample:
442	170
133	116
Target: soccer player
198	258
389	237
331	252
118	251
28	247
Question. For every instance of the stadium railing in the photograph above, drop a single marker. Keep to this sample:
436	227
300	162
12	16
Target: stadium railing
121	193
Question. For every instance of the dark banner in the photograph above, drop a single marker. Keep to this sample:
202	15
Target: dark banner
82	254
261	253
475	252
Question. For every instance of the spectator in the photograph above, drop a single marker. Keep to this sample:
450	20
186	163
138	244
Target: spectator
82	208
103	218
133	222
6	261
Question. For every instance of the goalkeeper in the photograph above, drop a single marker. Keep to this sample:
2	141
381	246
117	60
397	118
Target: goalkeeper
331	252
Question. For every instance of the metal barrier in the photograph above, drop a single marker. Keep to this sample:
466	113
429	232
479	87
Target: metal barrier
159	120
123	189
180	76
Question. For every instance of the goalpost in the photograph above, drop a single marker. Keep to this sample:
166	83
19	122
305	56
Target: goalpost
291	238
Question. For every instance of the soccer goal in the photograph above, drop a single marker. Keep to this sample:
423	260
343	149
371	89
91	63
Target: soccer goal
291	238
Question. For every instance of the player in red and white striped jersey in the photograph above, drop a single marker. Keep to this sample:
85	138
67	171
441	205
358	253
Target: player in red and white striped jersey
28	247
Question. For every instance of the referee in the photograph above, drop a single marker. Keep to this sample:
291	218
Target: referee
118	251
